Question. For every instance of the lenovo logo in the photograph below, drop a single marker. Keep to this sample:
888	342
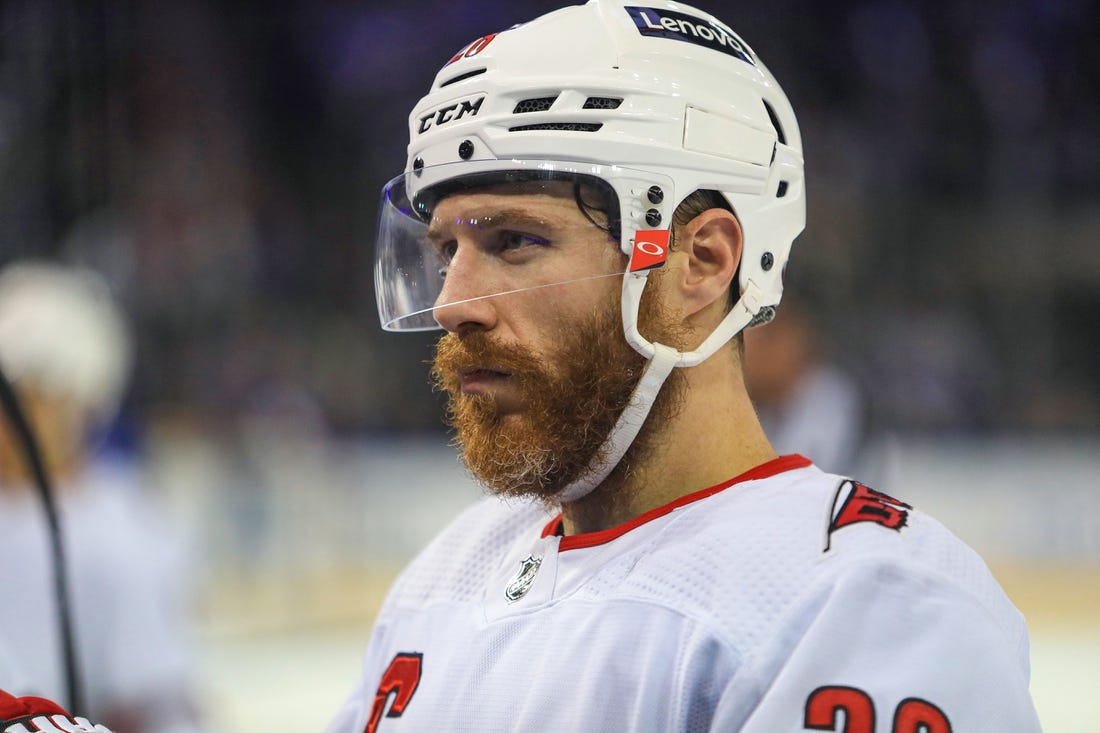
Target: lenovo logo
663	23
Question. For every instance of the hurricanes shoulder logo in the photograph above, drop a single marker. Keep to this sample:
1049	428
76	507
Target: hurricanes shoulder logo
864	504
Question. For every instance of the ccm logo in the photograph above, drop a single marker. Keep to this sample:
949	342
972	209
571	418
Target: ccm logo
650	249
450	113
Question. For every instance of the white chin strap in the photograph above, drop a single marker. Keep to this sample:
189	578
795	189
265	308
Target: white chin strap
662	360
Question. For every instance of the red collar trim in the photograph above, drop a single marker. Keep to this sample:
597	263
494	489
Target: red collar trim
591	539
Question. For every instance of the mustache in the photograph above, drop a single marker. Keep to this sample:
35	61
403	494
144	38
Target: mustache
455	355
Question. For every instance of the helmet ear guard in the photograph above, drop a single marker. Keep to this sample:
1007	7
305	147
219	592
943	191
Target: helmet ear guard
654	102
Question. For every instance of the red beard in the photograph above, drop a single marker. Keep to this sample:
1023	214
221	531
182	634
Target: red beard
569	405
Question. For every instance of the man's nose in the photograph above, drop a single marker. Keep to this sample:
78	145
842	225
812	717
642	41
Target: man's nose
465	302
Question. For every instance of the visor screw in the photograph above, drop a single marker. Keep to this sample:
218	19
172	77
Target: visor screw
655	195
653	217
465	150
418	167
766	261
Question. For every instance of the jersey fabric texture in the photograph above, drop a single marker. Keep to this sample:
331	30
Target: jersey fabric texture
786	599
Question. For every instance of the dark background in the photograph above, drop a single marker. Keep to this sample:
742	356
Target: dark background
221	163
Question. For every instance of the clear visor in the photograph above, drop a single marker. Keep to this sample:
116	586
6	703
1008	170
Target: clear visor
455	234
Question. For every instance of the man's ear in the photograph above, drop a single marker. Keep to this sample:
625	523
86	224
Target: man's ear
712	243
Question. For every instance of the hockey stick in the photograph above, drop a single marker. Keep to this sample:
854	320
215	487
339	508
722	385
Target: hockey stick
18	420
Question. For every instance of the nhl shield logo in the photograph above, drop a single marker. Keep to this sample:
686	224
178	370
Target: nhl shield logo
523	579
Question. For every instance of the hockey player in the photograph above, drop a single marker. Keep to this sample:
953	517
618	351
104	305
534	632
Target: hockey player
596	203
65	345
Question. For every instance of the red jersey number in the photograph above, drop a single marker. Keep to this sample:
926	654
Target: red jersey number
917	716
913	715
400	680
825	703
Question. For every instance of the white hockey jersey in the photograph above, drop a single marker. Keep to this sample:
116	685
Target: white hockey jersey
785	599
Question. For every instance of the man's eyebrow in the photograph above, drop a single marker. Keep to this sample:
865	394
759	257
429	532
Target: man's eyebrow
439	229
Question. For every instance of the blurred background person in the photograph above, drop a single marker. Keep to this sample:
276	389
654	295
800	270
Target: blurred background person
67	349
807	402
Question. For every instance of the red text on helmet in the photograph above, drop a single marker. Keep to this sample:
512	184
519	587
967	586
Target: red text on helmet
472	49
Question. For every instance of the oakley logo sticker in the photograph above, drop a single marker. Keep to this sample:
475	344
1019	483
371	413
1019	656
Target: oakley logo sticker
662	23
650	249
450	113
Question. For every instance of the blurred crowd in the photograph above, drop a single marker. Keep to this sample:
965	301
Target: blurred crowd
220	164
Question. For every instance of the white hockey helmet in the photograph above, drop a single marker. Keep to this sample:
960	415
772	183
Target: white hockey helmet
657	100
61	331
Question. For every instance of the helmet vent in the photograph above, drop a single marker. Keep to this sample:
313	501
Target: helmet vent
460	77
602	103
536	104
567	126
775	123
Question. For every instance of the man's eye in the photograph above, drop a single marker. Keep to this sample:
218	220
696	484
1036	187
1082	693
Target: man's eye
445	252
515	240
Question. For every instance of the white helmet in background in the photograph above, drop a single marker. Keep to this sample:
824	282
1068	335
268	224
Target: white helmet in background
61	332
655	101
